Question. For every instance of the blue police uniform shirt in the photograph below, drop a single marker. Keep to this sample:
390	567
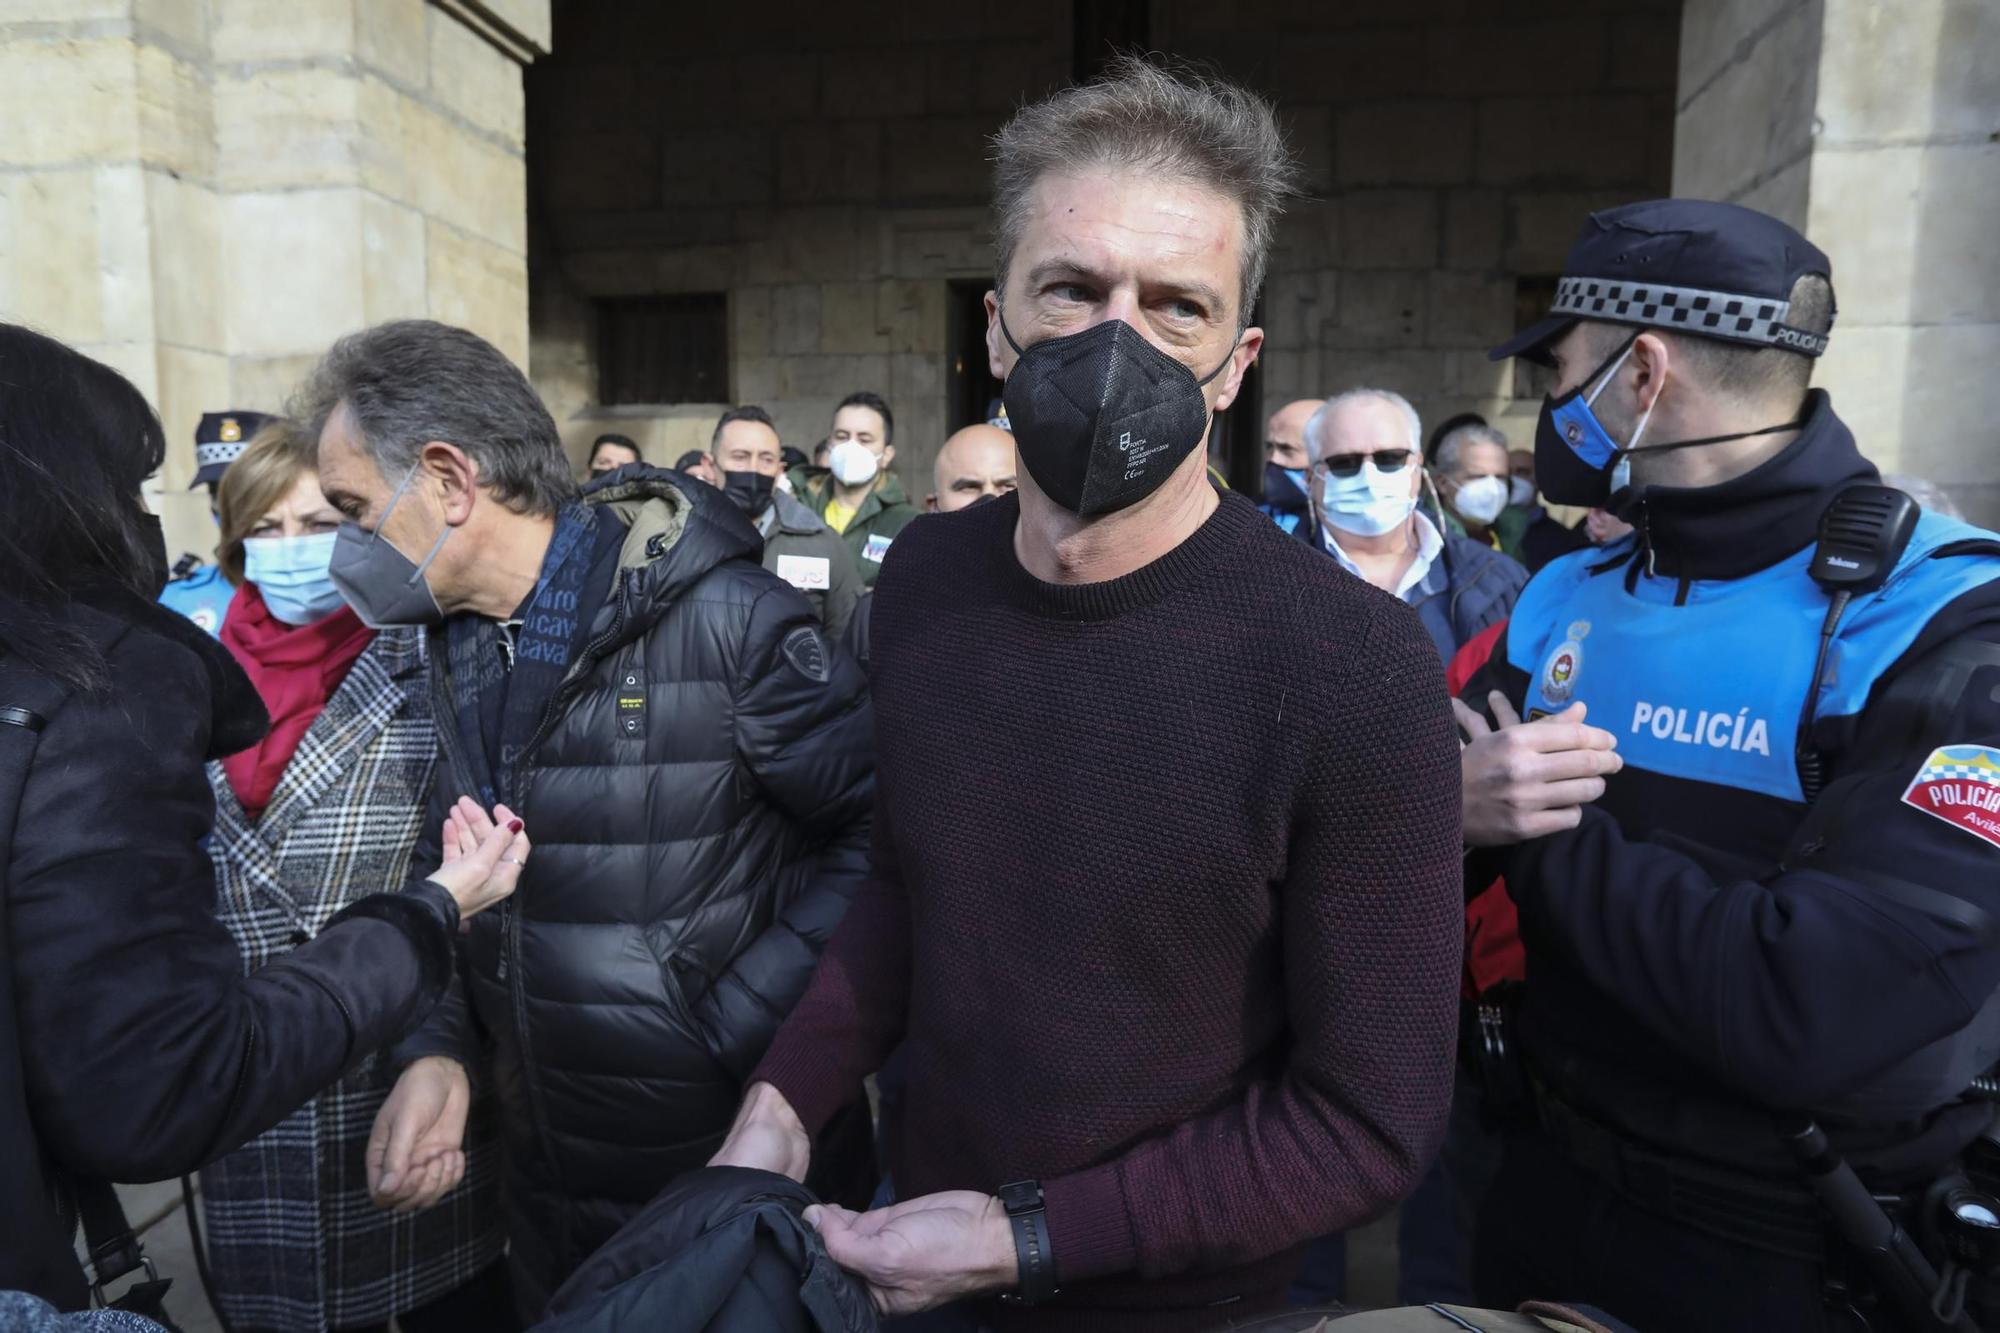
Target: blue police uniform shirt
202	597
1712	689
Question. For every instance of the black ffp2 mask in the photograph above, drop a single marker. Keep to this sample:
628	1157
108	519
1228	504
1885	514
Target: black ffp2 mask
1102	417
750	490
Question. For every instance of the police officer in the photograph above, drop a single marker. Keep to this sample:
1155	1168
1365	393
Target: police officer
200	591
1719	946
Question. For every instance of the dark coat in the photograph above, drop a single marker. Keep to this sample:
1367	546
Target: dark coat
1468	587
132	1045
802	550
692	854
725	1250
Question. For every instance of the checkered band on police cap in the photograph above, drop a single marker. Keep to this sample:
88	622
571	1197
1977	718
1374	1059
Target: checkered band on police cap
1726	315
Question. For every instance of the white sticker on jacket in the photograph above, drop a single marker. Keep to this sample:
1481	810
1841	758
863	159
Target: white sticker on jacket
878	546
810	573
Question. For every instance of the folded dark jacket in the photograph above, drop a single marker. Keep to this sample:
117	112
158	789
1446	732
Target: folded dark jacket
721	1250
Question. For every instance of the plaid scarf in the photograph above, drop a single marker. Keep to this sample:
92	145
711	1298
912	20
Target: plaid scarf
503	676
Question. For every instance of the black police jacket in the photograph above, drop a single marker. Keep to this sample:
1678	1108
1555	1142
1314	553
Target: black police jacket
699	803
132	1045
1702	953
724	1250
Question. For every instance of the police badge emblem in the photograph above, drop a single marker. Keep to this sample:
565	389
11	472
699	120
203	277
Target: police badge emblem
1560	671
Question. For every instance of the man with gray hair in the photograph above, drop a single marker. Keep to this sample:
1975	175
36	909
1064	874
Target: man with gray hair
618	667
1170	932
1474	477
1365	477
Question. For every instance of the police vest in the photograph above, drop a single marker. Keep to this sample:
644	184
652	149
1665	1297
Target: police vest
1707	682
202	597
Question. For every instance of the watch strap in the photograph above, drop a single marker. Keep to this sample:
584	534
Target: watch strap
1030	1219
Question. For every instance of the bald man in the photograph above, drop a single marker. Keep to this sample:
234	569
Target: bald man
1285	466
975	464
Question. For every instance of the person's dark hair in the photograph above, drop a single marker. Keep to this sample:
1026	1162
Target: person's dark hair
747	412
620	442
76	441
875	403
792	456
1446	427
1738	370
1176	124
820	448
689	459
412	381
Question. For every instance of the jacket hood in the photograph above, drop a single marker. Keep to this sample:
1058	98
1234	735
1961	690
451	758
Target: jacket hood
796	517
238	718
676	530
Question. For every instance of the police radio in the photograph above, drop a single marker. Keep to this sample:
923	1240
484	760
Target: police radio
1861	537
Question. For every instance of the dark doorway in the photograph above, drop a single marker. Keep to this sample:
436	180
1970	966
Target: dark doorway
1236	441
971	391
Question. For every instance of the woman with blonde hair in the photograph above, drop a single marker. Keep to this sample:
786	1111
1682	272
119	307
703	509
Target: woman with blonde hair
329	805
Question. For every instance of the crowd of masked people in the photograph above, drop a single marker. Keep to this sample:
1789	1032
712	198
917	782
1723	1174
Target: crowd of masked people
731	896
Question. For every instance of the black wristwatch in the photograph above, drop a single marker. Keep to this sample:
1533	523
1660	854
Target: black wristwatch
1023	1202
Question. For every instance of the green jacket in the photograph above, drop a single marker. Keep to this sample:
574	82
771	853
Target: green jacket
886	512
803	551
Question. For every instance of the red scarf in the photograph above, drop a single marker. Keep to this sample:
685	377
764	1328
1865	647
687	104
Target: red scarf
296	668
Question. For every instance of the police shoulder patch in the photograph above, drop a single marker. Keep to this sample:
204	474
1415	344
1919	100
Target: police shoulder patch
806	650
1960	784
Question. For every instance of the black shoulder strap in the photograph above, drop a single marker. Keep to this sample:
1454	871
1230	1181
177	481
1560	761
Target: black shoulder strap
28	699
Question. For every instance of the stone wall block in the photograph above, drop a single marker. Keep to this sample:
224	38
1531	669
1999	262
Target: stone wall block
1403	143
124	270
1947	433
940	159
1299	242
1713	33
176	123
832	377
756	378
287	128
1363	63
1523	56
1375	310
795	319
49	253
303	246
1908	71
850	318
479	286
1644	48
472	77
392	36
185	221
1470	309
68	101
1309	132
1474	225
749	323
1864	215
394	261
456	176
1755	117
912	313
733	165
1388	229
944	243
949	85
241	31
1564	140
870	83
601	170
776	87
830	162
1866	369
266	383
192	382
1410	372
1541	225
1469	374
1958	280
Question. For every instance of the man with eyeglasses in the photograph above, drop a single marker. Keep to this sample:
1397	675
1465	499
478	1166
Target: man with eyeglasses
1365	478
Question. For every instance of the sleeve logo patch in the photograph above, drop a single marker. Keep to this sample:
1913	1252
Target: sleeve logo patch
806	651
1960	784
877	548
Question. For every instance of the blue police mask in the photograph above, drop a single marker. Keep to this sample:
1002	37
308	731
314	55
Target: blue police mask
291	573
1574	455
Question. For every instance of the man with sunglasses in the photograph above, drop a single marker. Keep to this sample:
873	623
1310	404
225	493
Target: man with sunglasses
1781	902
1365	479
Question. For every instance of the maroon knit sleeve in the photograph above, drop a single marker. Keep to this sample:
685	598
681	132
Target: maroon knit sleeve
1372	921
852	1015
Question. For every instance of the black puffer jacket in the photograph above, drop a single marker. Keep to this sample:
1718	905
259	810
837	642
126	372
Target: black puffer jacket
694	847
132	1046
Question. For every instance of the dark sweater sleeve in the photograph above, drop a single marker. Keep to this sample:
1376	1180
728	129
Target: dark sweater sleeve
853	1013
146	1051
1372	928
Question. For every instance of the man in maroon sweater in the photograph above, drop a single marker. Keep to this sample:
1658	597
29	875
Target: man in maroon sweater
1165	895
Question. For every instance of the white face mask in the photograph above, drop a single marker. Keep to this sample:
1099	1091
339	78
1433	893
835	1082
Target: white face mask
1520	492
1369	503
1481	499
853	463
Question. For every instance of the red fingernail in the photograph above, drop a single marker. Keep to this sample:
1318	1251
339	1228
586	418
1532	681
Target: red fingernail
513	826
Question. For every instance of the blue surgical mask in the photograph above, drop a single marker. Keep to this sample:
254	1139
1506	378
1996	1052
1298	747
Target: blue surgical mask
291	573
1369	503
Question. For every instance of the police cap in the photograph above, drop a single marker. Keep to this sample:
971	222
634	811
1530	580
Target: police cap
1686	265
218	441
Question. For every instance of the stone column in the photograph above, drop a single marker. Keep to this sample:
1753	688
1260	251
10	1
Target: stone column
1875	129
206	193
